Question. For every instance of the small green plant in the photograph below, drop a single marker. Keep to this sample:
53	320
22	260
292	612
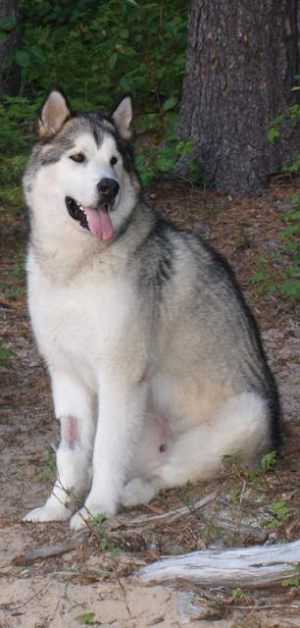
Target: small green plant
159	159
48	472
18	269
183	495
7	25
289	283
290	279
14	292
105	541
233	465
20	475
87	619
291	116
261	273
5	356
292	581
238	595
280	509
280	513
209	532
17	121
267	462
233	494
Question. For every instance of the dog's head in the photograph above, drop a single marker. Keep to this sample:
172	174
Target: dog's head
81	175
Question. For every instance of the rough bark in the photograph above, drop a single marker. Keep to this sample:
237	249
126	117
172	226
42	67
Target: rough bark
9	80
242	58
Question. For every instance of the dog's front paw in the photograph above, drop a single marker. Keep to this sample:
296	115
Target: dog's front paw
138	491
90	515
48	512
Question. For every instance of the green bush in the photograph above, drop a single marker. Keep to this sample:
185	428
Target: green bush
95	51
290	278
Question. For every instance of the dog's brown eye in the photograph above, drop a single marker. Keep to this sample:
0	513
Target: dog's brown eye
113	161
79	157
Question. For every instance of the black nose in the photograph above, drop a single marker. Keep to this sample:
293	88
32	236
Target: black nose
108	189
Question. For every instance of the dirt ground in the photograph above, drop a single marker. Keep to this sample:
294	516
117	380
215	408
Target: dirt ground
51	577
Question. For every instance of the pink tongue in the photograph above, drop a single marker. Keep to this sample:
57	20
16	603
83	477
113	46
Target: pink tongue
99	223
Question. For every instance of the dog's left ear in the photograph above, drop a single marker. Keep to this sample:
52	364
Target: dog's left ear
55	112
122	116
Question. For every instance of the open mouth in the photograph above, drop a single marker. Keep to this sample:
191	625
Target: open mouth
95	219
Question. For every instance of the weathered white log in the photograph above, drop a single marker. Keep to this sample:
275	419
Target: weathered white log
256	566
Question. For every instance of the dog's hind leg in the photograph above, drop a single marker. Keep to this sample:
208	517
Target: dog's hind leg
241	426
74	408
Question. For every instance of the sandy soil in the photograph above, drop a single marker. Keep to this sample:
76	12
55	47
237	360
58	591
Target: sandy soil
93	581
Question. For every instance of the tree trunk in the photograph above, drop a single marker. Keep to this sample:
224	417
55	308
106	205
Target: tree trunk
242	58
9	78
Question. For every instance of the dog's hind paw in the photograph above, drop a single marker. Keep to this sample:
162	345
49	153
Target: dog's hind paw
48	513
138	491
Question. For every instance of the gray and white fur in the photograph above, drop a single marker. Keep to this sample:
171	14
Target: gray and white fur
156	362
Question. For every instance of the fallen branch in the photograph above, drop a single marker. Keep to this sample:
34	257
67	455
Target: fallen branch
49	550
256	566
172	515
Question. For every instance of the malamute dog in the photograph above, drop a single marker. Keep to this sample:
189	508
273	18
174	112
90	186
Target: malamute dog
156	363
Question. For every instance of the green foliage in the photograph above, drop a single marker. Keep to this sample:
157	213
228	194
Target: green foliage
253	477
96	50
7	24
291	117
294	167
280	510
280	513
290	285
209	532
159	159
238	595
48	470
273	132
18	268
86	619
233	494
293	581
17	122
232	463
20	475
267	462
288	280
5	356
260	273
105	541
14	281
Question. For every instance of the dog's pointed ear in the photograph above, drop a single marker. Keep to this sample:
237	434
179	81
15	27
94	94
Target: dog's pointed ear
122	116
55	111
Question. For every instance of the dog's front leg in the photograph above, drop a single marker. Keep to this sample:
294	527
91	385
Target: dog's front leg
122	405
74	407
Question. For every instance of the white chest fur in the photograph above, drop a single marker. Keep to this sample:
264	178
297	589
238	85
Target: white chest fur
82	322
